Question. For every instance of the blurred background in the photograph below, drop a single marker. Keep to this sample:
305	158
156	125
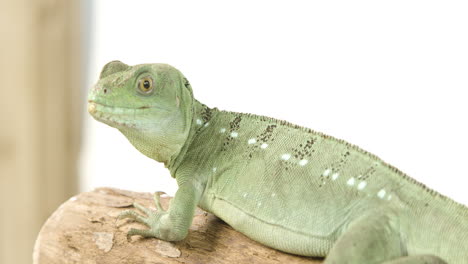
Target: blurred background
391	77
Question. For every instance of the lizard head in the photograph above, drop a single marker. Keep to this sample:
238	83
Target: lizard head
151	104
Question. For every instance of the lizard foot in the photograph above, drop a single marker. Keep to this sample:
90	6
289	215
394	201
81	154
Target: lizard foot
152	218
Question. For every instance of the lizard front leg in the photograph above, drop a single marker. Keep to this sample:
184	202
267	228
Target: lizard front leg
170	225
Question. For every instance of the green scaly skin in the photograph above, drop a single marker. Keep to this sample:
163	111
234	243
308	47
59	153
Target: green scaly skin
286	186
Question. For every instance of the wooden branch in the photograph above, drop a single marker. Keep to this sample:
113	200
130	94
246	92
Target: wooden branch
85	230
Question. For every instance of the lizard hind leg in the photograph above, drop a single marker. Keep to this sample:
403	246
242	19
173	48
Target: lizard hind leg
419	259
371	238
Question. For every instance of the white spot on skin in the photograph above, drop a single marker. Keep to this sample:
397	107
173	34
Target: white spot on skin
381	193
199	122
335	176
207	124
286	156
362	185
326	172
234	134
222	130
244	195
259	204
252	141
273	194
214	169
351	181
303	162
264	146
389	197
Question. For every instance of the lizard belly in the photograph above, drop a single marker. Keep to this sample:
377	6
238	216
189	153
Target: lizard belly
268	233
303	220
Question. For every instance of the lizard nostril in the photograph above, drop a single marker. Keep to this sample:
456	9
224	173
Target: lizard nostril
104	91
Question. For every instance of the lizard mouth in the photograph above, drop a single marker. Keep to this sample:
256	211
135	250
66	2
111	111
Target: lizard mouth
122	117
92	107
114	116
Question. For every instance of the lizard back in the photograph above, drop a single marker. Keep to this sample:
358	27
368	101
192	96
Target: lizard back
292	177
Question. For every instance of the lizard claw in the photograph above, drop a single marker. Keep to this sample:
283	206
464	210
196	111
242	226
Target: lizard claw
133	215
151	218
140	207
157	201
140	232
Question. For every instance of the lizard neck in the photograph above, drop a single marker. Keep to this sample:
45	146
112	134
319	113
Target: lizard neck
201	117
152	145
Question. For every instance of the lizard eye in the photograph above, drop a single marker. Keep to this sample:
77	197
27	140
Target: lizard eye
145	85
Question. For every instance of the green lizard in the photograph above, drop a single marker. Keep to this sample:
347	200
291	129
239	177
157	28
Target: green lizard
286	186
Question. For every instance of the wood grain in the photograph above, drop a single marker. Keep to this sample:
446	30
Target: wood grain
85	230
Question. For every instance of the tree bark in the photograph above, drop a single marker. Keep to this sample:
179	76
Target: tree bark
85	230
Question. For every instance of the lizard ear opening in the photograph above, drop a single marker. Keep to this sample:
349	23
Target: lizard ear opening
113	67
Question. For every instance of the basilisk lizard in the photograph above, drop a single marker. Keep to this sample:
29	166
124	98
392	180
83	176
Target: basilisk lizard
286	186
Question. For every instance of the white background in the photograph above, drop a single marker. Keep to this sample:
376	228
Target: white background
389	76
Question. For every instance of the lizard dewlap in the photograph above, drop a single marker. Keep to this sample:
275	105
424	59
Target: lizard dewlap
288	187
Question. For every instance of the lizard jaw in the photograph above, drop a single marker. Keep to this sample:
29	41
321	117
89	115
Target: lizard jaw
98	112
